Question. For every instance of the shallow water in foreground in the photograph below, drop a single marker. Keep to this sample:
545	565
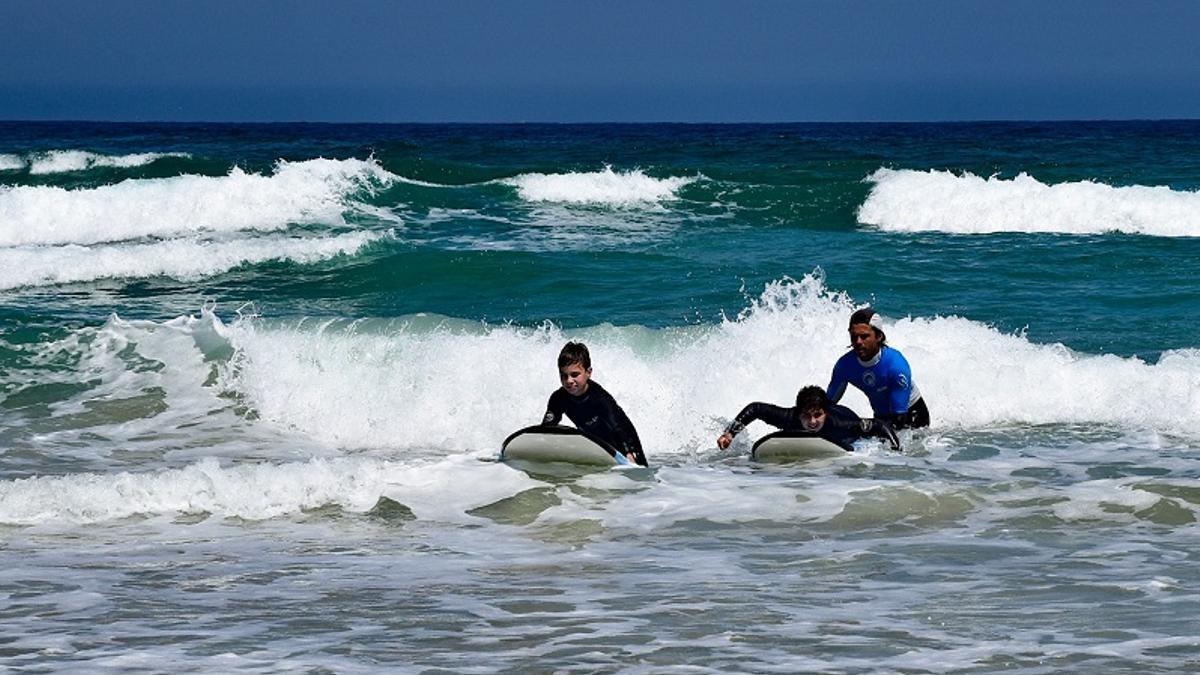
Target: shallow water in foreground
961	557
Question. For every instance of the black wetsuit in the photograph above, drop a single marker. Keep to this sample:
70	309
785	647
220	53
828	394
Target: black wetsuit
842	426
916	417
597	413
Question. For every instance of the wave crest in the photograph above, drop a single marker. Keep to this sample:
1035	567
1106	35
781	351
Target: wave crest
183	259
390	385
942	201
604	188
312	191
11	162
66	161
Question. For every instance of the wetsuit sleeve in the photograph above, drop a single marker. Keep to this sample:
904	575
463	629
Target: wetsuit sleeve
627	435
554	410
771	414
837	382
882	430
843	426
900	385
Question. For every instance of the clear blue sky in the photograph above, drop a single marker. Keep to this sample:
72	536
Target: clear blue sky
603	61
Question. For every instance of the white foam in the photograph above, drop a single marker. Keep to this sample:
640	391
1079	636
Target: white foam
701	493
438	385
942	201
559	227
1107	499
394	385
137	392
605	188
260	491
64	161
312	191
183	259
128	360
11	162
1006	378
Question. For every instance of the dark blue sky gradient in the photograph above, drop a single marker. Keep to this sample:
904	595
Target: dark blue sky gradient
615	61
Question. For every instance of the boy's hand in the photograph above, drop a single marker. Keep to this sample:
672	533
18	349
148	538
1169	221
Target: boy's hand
724	440
885	431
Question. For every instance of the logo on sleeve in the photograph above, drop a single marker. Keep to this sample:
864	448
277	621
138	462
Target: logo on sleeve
902	380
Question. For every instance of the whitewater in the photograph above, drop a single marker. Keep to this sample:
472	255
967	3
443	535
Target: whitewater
968	204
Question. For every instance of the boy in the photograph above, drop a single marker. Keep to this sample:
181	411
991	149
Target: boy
589	406
813	413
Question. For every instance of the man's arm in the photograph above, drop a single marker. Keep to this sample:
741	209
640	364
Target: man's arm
837	382
900	384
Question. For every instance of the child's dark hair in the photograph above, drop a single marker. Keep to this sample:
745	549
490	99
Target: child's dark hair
574	352
810	398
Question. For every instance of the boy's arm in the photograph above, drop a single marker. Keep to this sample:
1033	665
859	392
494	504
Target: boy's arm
629	442
553	411
843	425
882	430
629	438
771	414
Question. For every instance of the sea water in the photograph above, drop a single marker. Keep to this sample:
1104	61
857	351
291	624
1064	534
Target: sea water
254	379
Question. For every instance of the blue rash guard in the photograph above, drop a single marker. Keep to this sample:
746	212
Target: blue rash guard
886	380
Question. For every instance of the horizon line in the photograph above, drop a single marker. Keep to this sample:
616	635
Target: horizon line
602	122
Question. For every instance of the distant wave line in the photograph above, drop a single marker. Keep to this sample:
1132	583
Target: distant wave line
69	161
943	201
182	259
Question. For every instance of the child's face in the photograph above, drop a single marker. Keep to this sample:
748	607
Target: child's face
574	378
813	419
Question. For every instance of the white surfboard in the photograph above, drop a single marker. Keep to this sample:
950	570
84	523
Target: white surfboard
544	443
794	446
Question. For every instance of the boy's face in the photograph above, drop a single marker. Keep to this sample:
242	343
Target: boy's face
813	419
574	378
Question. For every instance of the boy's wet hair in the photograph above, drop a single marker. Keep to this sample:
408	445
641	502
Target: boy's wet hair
574	352
812	397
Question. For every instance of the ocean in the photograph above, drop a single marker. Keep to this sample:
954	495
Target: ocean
254	380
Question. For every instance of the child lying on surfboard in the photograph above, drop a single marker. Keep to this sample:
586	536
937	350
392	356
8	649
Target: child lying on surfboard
813	413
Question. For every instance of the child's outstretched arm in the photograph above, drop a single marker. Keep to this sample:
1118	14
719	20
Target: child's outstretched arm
771	414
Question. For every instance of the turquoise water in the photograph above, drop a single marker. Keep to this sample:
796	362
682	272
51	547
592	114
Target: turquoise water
254	378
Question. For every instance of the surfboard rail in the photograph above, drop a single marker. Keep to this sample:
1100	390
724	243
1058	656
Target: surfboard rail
559	443
795	445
